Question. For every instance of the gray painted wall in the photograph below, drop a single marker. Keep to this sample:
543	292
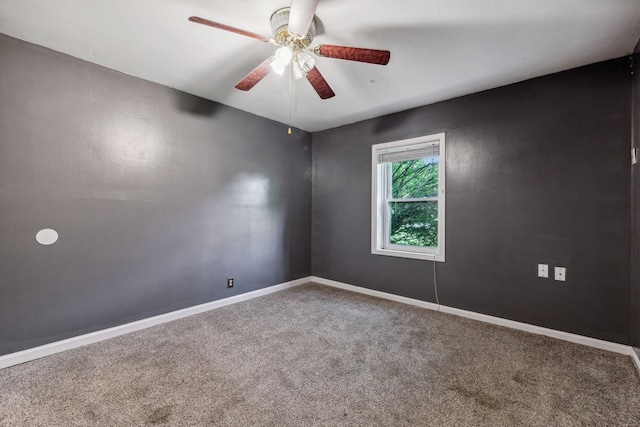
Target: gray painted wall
537	172
158	196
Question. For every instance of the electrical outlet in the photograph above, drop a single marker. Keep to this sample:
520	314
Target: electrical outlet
560	274
230	282
543	270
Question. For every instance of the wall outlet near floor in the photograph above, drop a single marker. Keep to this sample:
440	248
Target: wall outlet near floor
560	274
543	270
230	282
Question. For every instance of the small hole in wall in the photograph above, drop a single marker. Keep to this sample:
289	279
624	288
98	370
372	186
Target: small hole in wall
47	236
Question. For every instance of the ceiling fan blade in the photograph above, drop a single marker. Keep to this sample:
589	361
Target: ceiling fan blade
300	15
254	77
319	84
228	28
371	56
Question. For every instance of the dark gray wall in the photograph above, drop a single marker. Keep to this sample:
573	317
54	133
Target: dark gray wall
636	198
537	172
158	196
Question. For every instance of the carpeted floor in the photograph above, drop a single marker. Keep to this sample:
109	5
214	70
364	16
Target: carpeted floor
314	355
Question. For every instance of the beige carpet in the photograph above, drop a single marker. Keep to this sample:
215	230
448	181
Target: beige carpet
314	355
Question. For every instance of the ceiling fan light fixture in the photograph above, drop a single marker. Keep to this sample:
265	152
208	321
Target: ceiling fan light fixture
283	57
284	54
278	67
298	72
305	61
302	64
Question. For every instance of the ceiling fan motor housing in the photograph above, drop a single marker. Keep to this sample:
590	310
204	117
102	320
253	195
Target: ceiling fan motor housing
281	33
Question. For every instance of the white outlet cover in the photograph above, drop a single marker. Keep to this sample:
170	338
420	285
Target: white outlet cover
560	273
543	270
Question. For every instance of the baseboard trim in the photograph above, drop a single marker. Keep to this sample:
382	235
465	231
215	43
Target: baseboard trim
636	359
93	337
565	336
34	353
378	294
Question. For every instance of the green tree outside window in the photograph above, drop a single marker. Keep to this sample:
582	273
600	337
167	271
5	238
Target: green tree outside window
414	222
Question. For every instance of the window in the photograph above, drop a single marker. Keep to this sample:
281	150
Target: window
408	192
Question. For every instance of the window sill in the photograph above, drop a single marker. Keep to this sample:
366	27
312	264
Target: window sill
409	254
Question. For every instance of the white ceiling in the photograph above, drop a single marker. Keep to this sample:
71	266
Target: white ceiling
440	49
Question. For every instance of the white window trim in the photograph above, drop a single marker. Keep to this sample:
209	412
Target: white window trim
377	204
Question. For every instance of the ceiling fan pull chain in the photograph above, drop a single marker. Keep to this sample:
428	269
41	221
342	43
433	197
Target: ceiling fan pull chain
290	93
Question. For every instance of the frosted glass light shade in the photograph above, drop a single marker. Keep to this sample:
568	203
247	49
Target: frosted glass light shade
302	64
284	54
283	58
305	61
298	73
278	67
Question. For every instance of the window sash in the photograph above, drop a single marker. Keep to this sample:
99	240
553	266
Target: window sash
386	244
413	152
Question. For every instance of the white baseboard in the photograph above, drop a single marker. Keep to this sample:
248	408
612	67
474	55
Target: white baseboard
566	336
81	340
636	359
378	294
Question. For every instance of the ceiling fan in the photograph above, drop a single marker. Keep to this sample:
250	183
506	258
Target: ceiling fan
293	29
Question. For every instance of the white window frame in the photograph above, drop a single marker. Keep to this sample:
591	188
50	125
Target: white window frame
380	244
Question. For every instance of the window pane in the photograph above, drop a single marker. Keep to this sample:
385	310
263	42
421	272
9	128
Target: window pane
414	178
414	223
